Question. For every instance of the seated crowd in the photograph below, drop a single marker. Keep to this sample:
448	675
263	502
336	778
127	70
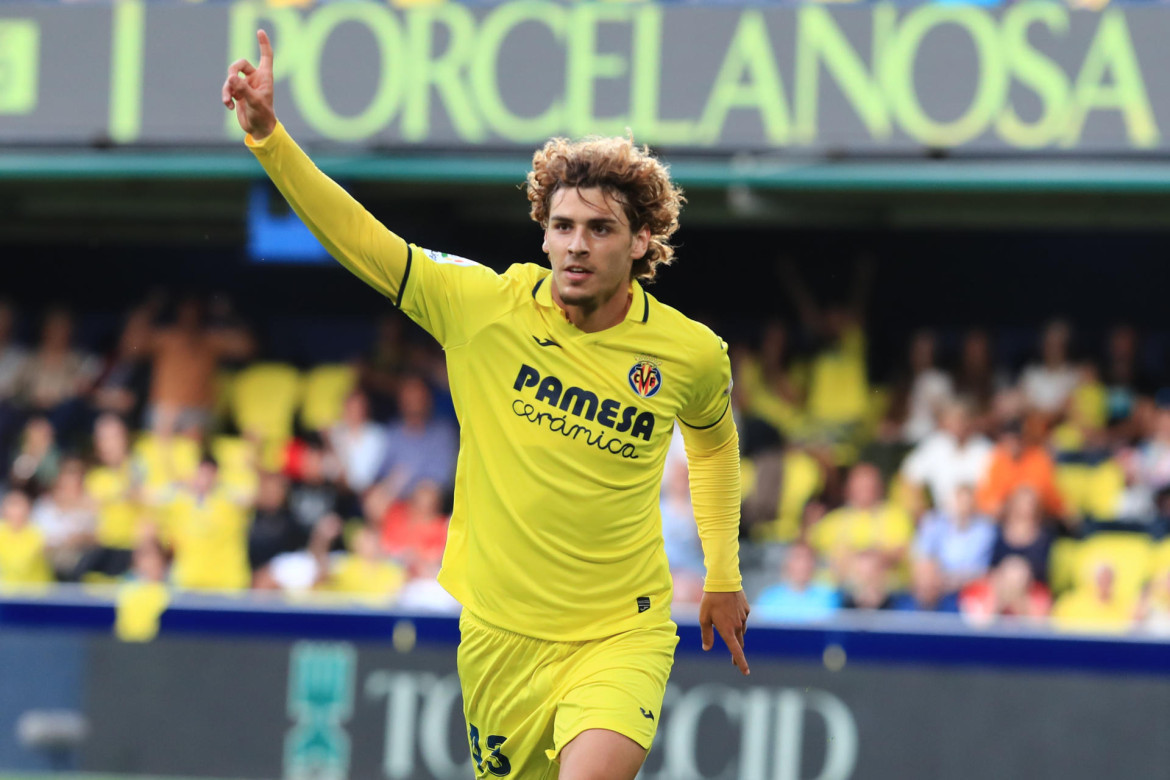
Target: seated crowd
180	457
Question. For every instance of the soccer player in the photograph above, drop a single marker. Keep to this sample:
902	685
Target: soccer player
567	383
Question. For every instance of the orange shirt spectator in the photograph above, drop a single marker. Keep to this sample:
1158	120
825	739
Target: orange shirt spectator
1014	464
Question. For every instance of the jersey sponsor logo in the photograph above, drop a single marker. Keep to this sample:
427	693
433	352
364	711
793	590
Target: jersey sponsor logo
444	258
648	714
586	406
580	402
643	603
546	342
645	379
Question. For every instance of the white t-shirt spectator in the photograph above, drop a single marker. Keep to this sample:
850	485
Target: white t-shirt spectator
931	389
1048	389
361	452
942	464
58	524
12	360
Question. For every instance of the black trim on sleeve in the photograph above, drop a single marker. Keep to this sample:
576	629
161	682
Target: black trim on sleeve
536	286
712	425
405	276
646	307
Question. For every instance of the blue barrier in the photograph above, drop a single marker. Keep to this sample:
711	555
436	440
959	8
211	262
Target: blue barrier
903	639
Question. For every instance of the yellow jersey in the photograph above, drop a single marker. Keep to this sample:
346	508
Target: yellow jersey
555	532
118	514
211	542
23	560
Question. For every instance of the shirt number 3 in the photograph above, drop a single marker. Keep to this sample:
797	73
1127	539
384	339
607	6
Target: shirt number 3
497	762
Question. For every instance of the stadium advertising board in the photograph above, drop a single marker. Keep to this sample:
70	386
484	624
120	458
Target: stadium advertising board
720	78
328	709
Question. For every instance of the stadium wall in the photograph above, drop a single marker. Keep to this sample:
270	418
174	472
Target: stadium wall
258	692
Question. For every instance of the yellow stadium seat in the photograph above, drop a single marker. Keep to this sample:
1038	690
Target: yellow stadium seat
326	387
1103	488
1130	555
265	398
1062	564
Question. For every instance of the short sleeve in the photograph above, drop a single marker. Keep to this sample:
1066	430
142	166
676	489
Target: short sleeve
451	297
711	395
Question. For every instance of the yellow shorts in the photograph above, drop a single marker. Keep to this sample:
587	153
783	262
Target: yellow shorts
525	698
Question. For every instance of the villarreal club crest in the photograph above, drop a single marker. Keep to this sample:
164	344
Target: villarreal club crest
645	378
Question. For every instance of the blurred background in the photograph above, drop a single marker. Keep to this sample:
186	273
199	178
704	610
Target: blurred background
932	233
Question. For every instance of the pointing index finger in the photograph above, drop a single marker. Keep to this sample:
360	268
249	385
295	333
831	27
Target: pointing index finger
265	49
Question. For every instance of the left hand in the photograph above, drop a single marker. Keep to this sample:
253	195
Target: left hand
727	613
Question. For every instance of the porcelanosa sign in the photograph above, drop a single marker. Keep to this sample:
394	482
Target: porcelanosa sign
1033	76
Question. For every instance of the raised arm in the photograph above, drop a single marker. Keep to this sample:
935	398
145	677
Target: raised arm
340	223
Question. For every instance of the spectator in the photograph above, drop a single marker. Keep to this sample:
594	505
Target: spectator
273	529
384	365
364	572
13	358
1098	608
679	532
867	585
958	541
1018	461
1153	612
929	590
1124	379
1151	461
953	455
767	385
53	379
210	532
124	382
797	598
23	557
1022	534
66	518
1048	384
186	354
1008	590
414	531
865	523
838	387
359	443
38	458
927	390
977	380
418	446
114	484
312	496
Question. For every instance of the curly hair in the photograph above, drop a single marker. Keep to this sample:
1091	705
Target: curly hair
624	171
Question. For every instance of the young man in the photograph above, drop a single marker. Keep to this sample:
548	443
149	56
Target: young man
567	384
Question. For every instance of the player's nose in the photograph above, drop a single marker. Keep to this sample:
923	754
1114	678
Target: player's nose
577	243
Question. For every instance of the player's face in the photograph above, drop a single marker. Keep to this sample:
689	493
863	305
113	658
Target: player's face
591	247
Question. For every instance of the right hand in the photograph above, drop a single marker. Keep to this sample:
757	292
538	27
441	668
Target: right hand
248	90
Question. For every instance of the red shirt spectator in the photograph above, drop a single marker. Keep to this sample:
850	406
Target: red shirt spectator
415	531
1008	590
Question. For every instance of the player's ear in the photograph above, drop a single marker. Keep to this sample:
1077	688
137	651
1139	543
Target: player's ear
641	243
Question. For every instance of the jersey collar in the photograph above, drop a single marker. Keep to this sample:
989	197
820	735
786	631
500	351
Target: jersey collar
639	305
